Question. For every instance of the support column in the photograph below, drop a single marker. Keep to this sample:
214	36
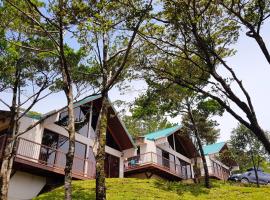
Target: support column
121	167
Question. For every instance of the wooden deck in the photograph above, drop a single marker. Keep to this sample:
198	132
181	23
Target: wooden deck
40	159
151	162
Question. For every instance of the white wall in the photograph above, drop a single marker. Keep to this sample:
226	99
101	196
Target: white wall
24	186
26	148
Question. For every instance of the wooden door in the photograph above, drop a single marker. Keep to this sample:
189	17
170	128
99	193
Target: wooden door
112	166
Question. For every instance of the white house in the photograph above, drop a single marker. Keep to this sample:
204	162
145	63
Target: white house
164	153
216	166
40	157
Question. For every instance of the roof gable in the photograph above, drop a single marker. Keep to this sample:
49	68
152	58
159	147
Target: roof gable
213	148
162	133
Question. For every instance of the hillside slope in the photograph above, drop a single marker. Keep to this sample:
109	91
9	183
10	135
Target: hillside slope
125	189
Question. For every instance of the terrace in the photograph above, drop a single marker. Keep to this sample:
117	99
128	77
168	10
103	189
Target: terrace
217	170
43	159
153	162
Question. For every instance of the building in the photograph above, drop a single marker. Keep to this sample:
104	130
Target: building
40	157
164	154
218	167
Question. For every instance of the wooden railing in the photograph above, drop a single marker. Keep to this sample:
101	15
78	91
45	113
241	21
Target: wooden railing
182	171
218	171
49	158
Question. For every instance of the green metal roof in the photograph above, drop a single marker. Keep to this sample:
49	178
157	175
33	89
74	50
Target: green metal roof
86	100
162	133
213	148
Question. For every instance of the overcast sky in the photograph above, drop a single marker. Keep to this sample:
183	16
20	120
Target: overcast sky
249	64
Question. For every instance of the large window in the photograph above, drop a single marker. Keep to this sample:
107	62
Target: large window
54	149
175	144
111	142
81	115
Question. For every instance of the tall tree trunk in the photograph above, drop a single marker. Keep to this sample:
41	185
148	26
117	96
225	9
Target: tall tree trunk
196	131
10	148
100	157
66	73
255	169
71	147
196	170
206	172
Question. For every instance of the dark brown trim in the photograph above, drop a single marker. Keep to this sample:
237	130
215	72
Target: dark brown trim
148	174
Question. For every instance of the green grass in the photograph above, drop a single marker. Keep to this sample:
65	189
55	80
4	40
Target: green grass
150	189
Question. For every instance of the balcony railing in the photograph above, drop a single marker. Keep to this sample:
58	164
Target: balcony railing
135	162
51	159
217	171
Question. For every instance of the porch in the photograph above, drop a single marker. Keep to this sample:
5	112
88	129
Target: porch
39	158
217	170
152	162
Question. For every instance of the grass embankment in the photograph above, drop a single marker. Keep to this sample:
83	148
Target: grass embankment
125	189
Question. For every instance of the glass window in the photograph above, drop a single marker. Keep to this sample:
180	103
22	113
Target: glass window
81	116
48	148
110	141
95	115
138	150
63	119
170	140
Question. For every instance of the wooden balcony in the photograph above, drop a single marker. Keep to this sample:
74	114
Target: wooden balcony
43	159
217	171
153	162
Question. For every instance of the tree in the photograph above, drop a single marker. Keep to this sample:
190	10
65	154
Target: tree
27	75
49	21
141	126
163	99
253	15
190	45
245	144
110	30
197	124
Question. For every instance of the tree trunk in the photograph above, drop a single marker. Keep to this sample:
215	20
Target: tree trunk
10	148
71	147
255	169
100	158
67	79
206	172
6	169
196	131
196	170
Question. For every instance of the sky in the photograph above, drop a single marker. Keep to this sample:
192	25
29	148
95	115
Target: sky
248	63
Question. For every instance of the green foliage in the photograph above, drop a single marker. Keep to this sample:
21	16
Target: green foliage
206	127
149	189
245	147
141	126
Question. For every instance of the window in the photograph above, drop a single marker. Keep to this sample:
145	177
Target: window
95	115
138	150
81	115
111	142
54	149
171	142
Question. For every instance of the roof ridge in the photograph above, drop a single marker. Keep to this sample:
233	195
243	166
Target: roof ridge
161	133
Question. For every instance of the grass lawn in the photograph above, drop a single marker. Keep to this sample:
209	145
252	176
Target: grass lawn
125	189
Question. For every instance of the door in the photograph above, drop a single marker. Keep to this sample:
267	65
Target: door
111	166
165	159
